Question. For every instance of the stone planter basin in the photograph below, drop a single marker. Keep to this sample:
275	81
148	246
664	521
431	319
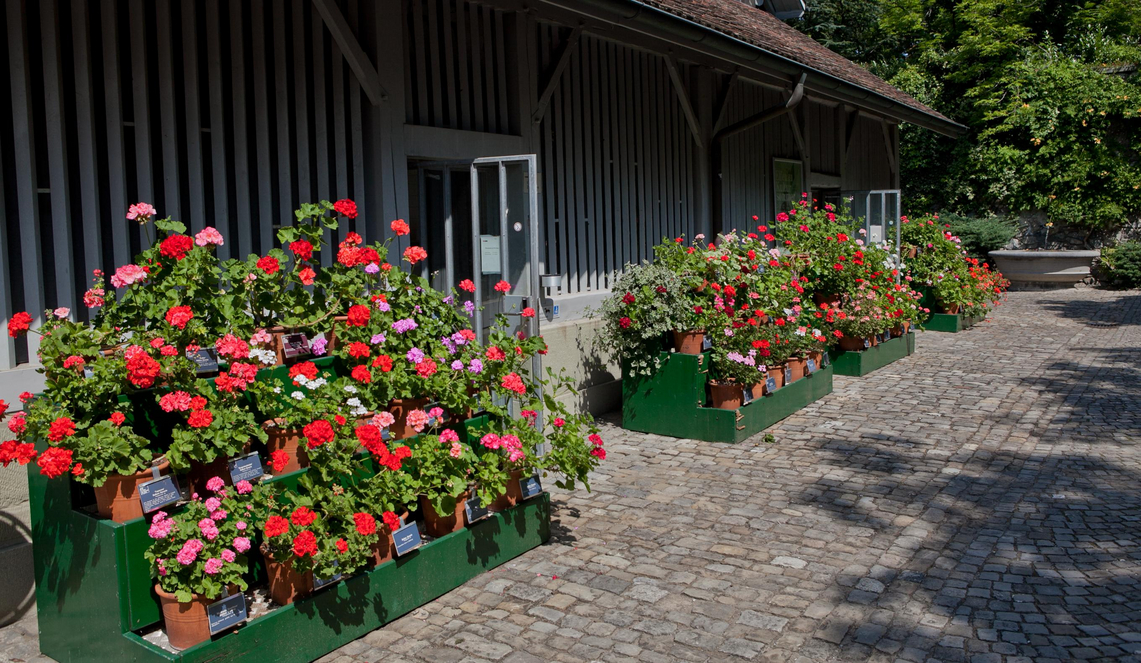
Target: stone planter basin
1044	269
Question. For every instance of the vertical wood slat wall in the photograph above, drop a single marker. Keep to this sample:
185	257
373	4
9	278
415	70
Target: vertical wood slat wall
457	59
616	160
265	114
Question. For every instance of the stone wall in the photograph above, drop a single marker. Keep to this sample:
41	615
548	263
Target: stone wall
16	576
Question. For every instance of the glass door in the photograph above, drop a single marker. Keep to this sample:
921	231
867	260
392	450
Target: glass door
505	244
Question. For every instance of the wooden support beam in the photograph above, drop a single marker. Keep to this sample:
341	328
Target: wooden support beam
888	146
723	102
556	73
851	133
683	97
354	54
767	114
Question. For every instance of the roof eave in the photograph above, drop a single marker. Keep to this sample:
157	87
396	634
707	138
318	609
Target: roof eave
650	20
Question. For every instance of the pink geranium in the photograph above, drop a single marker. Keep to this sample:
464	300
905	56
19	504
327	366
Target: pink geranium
128	274
209	236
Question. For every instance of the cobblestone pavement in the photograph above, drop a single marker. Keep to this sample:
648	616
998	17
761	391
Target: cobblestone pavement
979	501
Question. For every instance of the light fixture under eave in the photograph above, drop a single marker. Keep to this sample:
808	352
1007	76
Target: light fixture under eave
783	9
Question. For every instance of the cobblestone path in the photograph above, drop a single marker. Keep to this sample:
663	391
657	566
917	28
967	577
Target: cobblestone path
979	501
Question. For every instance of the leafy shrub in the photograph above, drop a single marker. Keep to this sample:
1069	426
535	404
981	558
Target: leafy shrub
981	235
1121	266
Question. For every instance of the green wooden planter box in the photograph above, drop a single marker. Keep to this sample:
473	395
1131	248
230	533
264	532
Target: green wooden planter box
857	364
672	402
945	322
94	588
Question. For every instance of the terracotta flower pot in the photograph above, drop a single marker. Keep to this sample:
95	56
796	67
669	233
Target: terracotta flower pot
689	342
514	492
726	395
798	366
287	440
912	251
874	339
385	547
777	374
758	390
286	584
852	344
332	335
187	624
437	525
832	299
118	497
817	358
951	309
399	408
200	473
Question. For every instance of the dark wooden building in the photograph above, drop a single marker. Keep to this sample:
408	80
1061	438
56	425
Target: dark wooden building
632	120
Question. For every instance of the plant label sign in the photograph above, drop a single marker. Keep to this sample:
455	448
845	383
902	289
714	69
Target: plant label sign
707	343
318	583
227	613
157	493
205	360
811	365
407	539
770	385
747	397
825	360
788	375
530	486
246	468
867	344
295	345
385	434
475	510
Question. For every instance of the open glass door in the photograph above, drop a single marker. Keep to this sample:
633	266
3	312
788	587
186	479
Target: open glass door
505	243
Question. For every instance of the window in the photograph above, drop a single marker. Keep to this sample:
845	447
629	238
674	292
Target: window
788	184
879	213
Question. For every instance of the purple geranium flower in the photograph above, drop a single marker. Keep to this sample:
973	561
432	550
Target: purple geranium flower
405	325
415	355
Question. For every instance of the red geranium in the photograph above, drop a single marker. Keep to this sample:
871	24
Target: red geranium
176	246
342	546
467	286
503	287
19	324
371	438
302	516
513	382
346	207
200	419
276	526
426	368
400	228
268	264
278	460
495	354
628	298
359	350
178	316
415	254
117	418
391	520
362	374
528	312
366	524
384	362
317	433
625	323
307	275
358	315
305	544
302	249
54	461
61	428
12	451
305	368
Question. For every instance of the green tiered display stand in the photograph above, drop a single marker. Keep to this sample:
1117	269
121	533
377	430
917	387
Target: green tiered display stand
94	589
671	402
857	364
945	322
94	592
